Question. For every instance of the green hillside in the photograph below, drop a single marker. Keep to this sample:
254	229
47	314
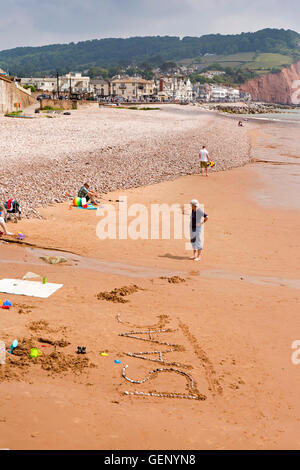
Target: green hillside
261	51
259	63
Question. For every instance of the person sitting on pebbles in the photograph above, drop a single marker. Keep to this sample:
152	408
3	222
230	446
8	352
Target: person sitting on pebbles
85	192
2	221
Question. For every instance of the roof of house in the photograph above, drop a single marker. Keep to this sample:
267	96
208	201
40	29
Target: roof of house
5	79
131	80
99	81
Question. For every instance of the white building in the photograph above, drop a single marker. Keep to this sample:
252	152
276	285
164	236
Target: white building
43	84
213	73
218	93
76	81
233	94
202	92
176	88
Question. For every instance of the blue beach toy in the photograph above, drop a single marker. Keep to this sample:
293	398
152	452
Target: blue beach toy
117	361
7	303
13	345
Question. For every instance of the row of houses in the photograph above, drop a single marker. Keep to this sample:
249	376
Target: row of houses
214	93
179	88
74	81
124	88
176	88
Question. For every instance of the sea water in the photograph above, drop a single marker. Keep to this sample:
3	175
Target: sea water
287	115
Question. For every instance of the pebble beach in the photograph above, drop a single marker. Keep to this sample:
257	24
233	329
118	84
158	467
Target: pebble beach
43	158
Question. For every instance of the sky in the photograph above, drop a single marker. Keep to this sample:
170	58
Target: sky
41	22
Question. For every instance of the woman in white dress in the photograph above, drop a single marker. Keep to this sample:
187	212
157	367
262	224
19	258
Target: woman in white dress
198	218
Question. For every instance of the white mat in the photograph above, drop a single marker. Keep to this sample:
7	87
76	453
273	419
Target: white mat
28	288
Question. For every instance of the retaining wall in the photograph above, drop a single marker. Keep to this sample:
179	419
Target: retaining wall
11	94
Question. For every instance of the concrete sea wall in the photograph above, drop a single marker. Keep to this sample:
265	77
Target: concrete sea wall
11	94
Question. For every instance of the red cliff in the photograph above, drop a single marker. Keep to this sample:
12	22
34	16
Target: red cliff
276	88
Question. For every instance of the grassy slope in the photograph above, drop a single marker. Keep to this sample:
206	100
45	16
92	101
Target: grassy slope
261	63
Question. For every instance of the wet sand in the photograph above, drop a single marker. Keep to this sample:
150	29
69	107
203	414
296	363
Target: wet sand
233	322
277	164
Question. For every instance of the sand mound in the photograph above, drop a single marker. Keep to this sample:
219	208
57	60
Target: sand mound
174	279
54	362
117	295
43	325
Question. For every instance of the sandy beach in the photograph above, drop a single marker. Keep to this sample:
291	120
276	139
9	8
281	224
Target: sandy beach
230	319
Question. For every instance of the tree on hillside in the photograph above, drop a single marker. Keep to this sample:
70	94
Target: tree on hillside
159	51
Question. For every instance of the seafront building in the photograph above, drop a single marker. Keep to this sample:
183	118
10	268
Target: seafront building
71	81
166	88
75	82
217	94
42	84
100	88
201	92
131	88
175	88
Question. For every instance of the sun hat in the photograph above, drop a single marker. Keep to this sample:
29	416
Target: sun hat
195	203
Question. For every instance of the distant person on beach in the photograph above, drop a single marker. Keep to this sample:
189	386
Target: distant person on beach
2	221
204	161
198	219
240	124
85	192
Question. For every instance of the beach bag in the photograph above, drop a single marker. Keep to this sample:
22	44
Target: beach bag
12	206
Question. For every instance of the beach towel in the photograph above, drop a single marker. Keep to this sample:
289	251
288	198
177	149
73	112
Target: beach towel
28	288
90	207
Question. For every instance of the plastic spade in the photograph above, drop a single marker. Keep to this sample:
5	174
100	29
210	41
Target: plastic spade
13	345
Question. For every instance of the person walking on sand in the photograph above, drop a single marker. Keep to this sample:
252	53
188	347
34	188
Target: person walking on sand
198	219
2	222
204	159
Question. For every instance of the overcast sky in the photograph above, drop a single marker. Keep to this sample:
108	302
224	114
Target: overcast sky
40	22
